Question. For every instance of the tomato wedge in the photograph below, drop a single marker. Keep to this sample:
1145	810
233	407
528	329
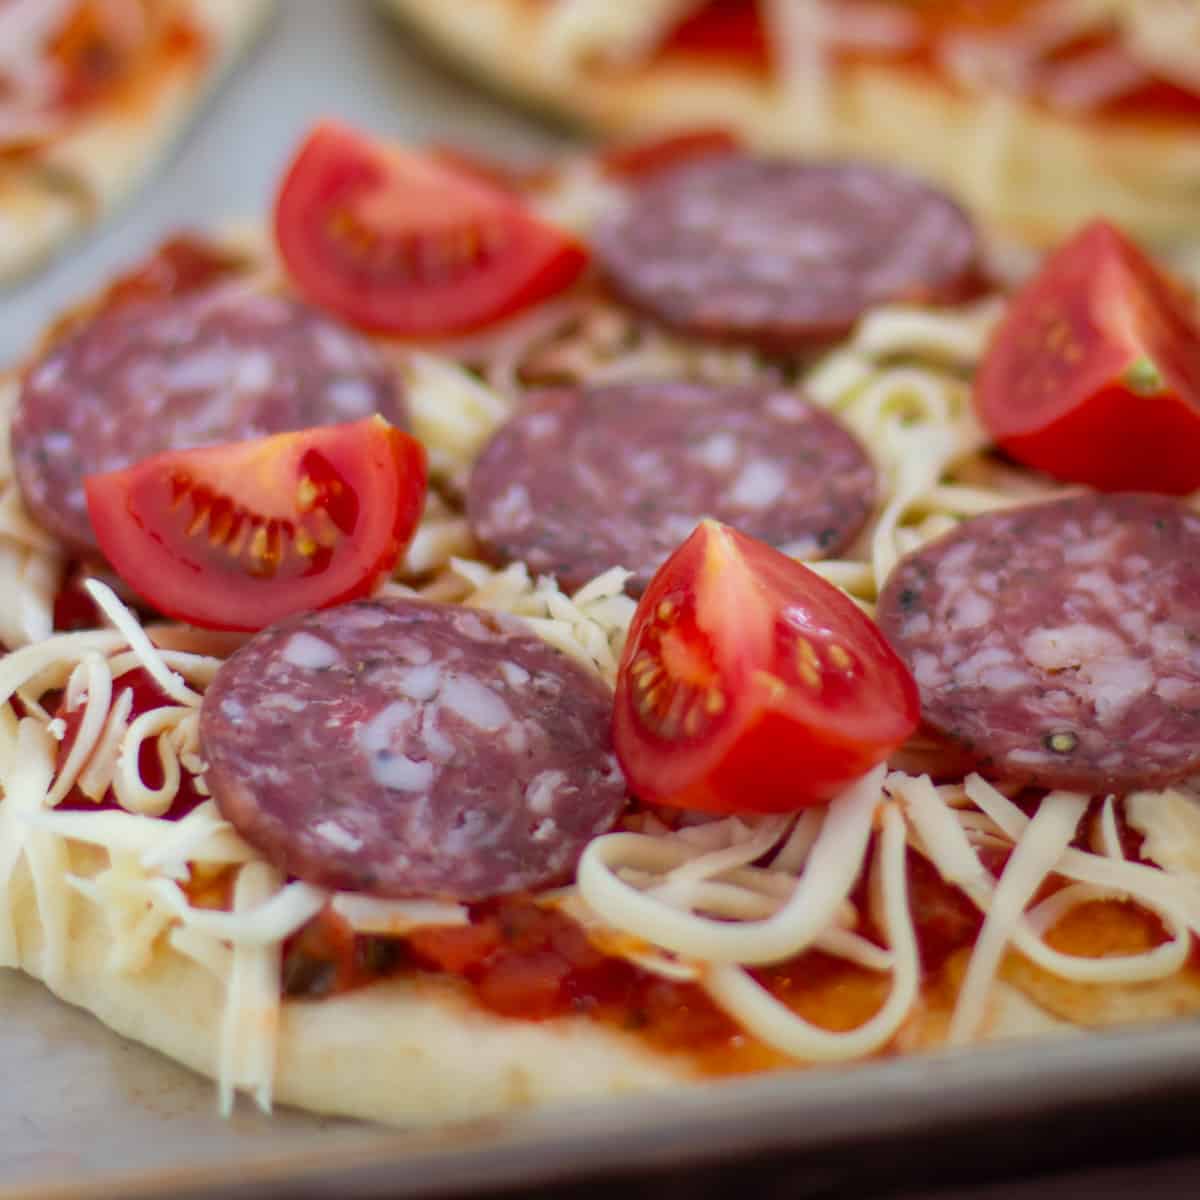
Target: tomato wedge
1094	374
749	684
239	536
409	244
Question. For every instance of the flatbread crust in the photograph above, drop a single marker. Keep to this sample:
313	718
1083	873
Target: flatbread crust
53	193
407	1052
411	1051
1034	174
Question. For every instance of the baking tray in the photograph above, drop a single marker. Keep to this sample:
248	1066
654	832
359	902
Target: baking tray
86	1114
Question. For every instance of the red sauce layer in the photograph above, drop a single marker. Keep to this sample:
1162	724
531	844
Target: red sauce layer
526	961
147	695
732	30
183	263
97	67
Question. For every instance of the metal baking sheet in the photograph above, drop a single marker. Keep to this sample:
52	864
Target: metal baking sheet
87	1114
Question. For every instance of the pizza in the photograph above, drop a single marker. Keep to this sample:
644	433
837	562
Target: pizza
1037	113
506	636
92	94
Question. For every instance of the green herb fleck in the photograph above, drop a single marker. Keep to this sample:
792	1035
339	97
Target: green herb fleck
1144	378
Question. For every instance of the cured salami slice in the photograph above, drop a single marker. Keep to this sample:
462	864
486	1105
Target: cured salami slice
784	255
1060	642
222	365
591	478
403	748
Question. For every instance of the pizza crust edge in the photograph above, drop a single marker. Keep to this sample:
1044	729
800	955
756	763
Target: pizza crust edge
405	1052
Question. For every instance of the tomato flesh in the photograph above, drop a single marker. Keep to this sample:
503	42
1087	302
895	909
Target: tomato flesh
749	684
1094	374
410	244
239	536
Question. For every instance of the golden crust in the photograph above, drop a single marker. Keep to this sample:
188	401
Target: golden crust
49	197
404	1052
1101	1005
401	1052
1031	173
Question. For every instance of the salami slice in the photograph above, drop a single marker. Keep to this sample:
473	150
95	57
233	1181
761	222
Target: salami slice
781	254
402	748
591	478
1060	642
171	374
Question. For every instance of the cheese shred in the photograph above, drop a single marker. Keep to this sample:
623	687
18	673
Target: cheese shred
704	904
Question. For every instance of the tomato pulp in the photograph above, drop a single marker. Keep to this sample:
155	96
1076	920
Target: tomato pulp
239	536
1094	374
749	684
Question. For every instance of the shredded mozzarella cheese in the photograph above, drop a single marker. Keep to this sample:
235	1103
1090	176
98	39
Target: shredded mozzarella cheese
700	904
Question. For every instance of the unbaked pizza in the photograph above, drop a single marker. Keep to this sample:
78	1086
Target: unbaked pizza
1038	113
512	635
92	93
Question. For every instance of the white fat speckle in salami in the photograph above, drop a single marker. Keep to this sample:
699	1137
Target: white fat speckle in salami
421	683
476	704
311	653
1061	641
760	484
332	832
514	675
481	770
401	773
539	795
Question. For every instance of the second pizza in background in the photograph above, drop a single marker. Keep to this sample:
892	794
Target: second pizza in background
1038	114
93	93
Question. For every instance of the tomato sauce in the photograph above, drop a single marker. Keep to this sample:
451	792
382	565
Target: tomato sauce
523	960
733	31
182	264
146	696
97	68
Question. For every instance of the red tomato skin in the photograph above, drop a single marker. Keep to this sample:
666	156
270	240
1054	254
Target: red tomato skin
1055	388
778	745
381	477
731	30
344	262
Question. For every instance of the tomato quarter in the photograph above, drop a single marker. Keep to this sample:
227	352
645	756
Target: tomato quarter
239	536
749	684
409	244
1094	374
